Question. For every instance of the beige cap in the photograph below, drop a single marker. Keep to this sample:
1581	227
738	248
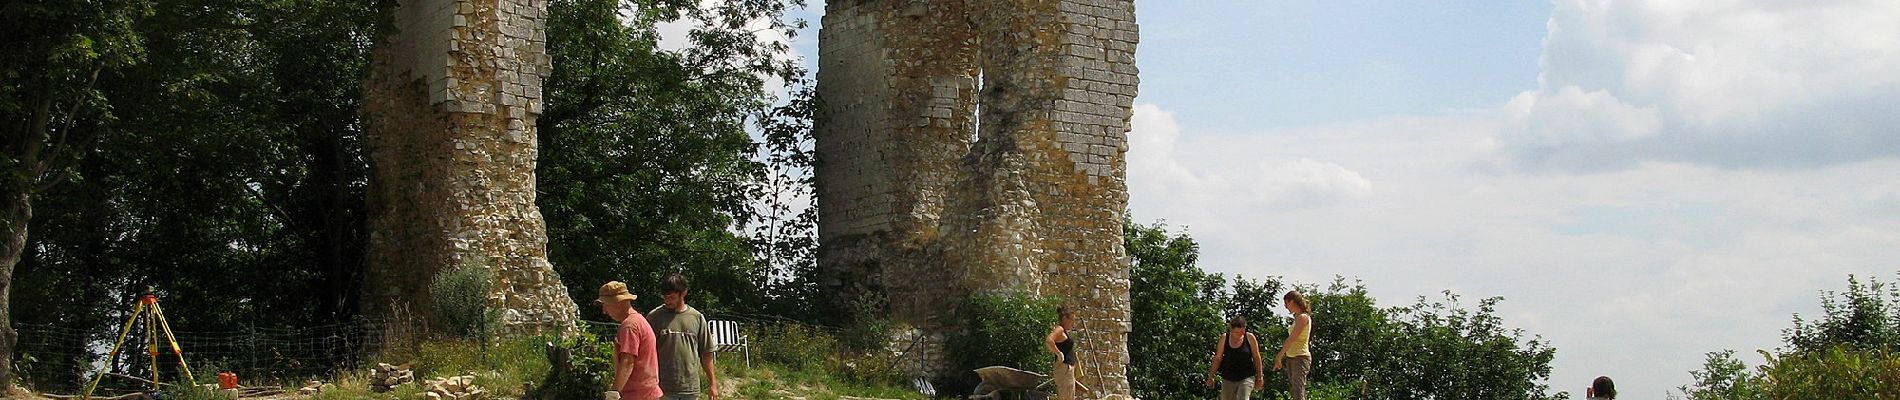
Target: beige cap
615	291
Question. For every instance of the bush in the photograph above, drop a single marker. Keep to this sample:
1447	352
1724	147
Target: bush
188	391
794	346
590	365
1331	391
1005	330
460	299
1852	352
868	356
852	354
1842	372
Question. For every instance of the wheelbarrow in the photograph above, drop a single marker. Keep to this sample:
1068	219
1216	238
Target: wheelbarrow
999	380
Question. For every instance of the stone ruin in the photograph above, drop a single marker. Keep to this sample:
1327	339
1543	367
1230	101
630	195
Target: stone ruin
977	146
451	103
968	146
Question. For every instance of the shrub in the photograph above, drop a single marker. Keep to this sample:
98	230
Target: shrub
590	363
794	346
460	299
1852	352
852	354
1842	372
1005	330
188	391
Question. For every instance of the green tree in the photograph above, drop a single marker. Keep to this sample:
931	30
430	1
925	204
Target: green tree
52	112
1425	350
1849	353
1723	377
1004	329
1176	309
1438	349
1865	317
646	164
228	176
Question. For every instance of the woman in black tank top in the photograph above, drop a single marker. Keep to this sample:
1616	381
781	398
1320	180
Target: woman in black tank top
1237	362
1063	345
1066	348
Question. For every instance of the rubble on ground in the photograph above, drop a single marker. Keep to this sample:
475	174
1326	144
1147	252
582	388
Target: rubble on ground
453	388
384	378
313	387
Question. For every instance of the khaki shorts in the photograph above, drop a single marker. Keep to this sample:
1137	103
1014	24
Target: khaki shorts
1065	381
1296	369
1236	390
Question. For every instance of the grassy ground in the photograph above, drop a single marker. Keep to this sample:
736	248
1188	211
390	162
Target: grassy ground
510	366
771	381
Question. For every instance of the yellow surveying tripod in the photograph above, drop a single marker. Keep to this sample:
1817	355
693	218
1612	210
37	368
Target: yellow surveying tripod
154	324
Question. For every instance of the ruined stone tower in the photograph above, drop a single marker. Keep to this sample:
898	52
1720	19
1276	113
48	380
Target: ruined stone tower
451	103
973	146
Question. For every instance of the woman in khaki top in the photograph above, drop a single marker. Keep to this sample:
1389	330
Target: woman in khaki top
1295	356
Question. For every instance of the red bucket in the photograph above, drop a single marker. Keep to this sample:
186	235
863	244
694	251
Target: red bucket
227	380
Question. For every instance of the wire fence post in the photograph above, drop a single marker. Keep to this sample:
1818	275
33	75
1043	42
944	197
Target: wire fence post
250	349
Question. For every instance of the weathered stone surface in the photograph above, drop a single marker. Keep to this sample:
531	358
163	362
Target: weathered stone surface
453	388
451	104
384	377
924	199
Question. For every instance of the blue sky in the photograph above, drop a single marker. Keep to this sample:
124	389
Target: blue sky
1231	67
1642	181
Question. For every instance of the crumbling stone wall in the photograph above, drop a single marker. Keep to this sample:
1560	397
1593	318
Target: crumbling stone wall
973	146
451	104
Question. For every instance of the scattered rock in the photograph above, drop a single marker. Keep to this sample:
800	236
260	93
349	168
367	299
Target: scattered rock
313	388
453	388
384	378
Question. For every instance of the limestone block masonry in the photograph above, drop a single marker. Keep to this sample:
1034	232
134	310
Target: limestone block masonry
451	102
977	146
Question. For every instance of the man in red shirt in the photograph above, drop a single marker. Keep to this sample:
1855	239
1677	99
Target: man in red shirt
636	362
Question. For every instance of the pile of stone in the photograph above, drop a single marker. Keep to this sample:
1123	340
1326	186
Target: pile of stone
313	387
384	378
453	388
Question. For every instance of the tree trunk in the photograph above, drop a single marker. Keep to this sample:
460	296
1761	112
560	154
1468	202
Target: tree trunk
19	210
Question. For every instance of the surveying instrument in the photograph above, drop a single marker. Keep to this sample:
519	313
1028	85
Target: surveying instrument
154	325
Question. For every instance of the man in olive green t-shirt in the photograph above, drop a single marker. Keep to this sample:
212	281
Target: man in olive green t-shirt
685	343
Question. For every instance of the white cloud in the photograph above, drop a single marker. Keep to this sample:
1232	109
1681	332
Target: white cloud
1716	165
1735	84
1631	272
1250	176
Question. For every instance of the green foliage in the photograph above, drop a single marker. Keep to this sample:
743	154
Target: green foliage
1441	350
190	392
1177	313
1004	329
1842	372
1853	351
590	366
1421	351
1723	377
792	345
216	157
1865	317
799	347
1330	391
646	164
460	299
